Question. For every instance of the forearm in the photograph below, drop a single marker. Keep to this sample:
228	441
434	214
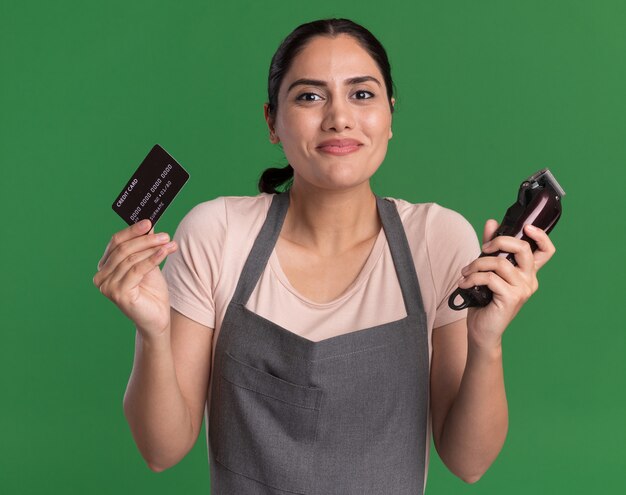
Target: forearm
475	427
154	407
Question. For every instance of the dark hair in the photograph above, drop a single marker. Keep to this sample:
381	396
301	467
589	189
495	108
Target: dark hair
292	45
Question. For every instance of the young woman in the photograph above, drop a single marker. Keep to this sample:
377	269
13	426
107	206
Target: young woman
312	326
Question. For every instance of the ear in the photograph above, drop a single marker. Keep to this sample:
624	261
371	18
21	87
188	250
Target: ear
270	124
393	104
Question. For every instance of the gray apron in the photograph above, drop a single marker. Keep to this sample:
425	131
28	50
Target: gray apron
346	415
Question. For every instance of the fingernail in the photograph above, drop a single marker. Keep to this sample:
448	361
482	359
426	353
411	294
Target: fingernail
464	271
143	224
486	245
460	281
532	227
163	237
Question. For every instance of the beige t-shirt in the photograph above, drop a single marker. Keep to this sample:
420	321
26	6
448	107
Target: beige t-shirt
216	237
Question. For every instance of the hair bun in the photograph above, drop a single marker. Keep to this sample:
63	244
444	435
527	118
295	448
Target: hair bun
273	177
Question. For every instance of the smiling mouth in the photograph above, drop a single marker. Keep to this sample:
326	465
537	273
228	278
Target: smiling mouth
339	148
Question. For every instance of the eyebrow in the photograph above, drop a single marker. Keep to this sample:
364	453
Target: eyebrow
317	82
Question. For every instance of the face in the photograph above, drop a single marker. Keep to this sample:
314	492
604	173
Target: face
333	117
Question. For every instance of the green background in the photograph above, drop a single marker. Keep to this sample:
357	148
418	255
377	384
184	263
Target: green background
488	92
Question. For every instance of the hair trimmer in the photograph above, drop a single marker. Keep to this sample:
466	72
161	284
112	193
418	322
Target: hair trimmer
539	204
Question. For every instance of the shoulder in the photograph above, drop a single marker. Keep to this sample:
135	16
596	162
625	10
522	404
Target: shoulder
210	230
437	235
442	242
432	222
224	212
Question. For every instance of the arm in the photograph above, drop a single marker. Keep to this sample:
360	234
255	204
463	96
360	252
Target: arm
468	400
167	390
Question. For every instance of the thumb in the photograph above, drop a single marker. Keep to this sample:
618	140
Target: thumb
491	226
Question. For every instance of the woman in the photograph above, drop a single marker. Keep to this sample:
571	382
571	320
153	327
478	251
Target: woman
313	325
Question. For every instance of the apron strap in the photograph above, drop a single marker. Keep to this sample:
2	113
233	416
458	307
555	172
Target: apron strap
401	255
396	239
262	248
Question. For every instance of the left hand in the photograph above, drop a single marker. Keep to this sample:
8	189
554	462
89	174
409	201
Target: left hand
511	285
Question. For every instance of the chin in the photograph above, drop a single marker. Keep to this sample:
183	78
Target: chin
342	181
335	174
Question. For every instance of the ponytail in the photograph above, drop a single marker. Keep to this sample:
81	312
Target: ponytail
273	178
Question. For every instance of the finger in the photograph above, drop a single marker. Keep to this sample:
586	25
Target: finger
113	286
490	228
490	279
520	249
128	263
129	248
140	228
126	249
133	277
545	248
498	264
135	245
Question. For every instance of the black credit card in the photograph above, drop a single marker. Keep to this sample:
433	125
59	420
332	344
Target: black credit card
151	189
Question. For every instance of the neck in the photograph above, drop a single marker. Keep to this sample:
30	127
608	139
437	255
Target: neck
331	221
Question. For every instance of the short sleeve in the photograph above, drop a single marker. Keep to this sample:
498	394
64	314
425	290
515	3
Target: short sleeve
452	244
193	271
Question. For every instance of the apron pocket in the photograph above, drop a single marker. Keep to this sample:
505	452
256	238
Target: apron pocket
266	426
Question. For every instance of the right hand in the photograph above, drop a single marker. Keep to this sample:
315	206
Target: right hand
129	275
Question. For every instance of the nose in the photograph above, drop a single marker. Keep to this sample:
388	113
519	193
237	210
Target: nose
338	116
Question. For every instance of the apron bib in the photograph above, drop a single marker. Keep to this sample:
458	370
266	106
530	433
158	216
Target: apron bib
347	415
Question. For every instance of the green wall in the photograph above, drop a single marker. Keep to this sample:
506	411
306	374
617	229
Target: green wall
488	92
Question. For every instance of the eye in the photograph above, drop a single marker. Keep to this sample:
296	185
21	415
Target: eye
362	94
308	97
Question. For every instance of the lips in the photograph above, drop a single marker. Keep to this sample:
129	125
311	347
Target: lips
339	146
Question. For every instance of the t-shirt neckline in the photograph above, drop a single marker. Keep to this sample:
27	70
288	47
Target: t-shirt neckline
372	259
